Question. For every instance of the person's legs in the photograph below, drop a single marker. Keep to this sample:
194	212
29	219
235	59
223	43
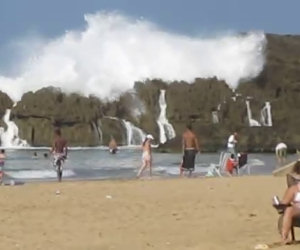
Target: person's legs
180	170
1	176
142	168
147	162
150	167
289	214
284	153
189	161
182	167
278	156
192	167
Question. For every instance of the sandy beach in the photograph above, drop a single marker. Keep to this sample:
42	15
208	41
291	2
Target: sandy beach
196	213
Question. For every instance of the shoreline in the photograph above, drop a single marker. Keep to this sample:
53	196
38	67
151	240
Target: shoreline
156	149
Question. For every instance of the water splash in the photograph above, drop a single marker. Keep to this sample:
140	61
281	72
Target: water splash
98	130
113	51
134	135
215	117
10	136
166	130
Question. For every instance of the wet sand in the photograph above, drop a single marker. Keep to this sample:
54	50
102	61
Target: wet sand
196	213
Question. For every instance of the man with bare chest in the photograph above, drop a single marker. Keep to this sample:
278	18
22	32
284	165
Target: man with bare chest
59	151
190	147
59	145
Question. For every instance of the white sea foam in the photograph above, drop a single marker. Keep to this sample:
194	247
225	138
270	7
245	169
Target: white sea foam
114	51
37	174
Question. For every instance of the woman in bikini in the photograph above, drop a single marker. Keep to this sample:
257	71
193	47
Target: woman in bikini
292	199
147	156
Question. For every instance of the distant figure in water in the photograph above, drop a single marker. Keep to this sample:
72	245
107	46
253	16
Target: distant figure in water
35	156
190	147
113	146
45	155
281	152
2	160
147	156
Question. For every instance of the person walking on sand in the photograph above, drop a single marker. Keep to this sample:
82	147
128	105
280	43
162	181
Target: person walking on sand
231	144
146	156
59	150
190	148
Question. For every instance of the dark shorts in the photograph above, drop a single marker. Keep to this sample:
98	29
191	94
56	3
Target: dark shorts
113	150
189	159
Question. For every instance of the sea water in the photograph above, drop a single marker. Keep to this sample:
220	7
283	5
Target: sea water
98	163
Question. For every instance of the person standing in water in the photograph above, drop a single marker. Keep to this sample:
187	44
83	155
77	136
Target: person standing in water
113	147
190	147
281	152
147	156
2	161
231	144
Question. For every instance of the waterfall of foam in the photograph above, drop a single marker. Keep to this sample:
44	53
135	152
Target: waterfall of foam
134	135
215	117
10	136
266	116
166	130
252	122
98	130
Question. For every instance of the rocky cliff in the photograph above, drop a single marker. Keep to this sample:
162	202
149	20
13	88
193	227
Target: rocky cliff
209	104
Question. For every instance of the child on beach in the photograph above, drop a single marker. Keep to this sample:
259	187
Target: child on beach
231	164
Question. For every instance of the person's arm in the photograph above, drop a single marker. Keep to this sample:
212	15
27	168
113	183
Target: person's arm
53	147
183	144
288	196
66	148
150	149
197	144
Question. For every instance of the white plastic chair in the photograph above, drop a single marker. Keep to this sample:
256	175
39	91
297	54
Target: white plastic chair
220	167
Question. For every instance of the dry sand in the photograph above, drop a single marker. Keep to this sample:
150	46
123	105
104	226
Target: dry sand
197	213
